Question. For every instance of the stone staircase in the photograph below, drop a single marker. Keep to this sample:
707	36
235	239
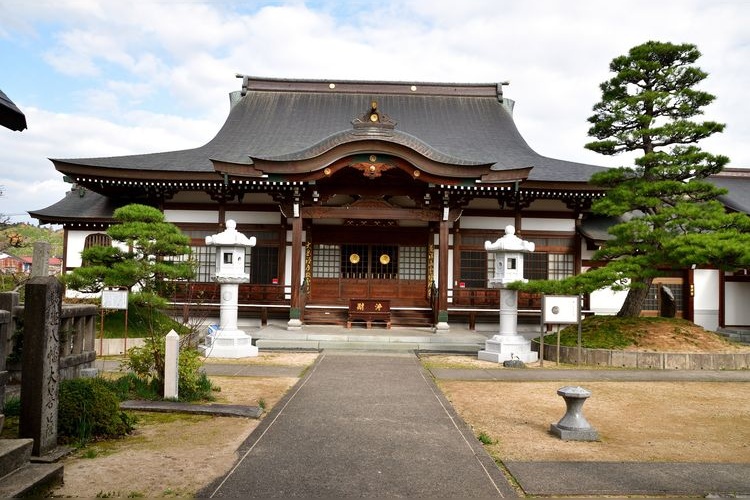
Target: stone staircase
19	476
377	338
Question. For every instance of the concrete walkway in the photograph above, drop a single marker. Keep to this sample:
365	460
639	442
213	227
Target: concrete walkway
373	424
363	425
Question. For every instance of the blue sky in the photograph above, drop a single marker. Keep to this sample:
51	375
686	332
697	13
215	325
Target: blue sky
108	78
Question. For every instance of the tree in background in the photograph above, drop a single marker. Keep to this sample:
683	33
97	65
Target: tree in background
670	215
149	252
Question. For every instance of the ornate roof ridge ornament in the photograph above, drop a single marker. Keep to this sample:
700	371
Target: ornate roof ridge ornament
374	119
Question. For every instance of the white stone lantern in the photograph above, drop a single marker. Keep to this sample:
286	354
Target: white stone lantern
507	345
228	341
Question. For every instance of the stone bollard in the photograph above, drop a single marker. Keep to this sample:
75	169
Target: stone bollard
574	426
171	365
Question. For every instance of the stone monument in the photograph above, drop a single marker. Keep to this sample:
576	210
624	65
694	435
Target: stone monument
509	251
40	378
229	341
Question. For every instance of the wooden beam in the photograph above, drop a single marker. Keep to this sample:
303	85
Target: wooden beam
421	214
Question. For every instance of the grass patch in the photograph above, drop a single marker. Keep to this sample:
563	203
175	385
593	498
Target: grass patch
140	323
485	438
612	332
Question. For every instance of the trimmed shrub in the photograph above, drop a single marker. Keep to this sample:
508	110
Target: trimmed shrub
90	409
147	363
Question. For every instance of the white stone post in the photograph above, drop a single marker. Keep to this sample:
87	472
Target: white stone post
171	365
228	306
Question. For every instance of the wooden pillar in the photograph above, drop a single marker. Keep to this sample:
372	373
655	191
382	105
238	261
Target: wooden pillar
443	276
294	312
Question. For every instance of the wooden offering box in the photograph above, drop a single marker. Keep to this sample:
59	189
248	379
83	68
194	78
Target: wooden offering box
369	310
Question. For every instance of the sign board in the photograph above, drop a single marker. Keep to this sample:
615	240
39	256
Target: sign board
115	299
561	309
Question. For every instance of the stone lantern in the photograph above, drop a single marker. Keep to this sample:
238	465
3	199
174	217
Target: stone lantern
228	341
507	345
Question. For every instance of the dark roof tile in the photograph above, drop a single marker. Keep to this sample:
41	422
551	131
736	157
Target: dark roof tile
467	124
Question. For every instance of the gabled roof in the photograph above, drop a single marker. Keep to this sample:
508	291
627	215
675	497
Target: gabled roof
457	124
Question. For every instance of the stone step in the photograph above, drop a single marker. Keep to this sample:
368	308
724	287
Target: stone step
399	345
14	454
31	480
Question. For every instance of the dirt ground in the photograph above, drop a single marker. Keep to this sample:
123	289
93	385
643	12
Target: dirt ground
175	455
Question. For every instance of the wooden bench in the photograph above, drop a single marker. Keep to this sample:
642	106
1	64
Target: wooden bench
369	310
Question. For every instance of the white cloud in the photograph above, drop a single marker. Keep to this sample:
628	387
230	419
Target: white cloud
28	178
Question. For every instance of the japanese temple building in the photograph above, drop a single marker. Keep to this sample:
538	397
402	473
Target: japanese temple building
361	190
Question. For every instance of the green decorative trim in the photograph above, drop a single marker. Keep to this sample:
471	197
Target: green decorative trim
294	313
442	316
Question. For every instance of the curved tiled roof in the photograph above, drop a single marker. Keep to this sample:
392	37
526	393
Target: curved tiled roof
737	183
464	124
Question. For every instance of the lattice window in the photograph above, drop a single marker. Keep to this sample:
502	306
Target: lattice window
474	269
560	266
97	240
326	261
264	265
548	266
385	261
354	261
412	263
205	258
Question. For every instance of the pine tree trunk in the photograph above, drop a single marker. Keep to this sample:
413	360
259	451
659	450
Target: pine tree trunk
635	300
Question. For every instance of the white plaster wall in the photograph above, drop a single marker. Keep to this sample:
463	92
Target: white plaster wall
736	300
586	254
606	301
205	216
242	217
706	299
530	224
75	242
494	223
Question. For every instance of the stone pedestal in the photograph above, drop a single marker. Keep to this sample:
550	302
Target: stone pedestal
506	347
574	426
508	344
229	341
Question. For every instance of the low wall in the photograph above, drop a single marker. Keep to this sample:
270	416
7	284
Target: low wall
648	360
76	331
116	347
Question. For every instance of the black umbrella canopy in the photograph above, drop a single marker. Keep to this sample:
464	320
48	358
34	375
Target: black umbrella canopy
10	116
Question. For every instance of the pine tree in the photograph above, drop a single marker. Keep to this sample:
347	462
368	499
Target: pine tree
151	251
649	106
671	216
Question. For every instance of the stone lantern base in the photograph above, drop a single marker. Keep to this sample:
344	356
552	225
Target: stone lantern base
229	344
506	347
